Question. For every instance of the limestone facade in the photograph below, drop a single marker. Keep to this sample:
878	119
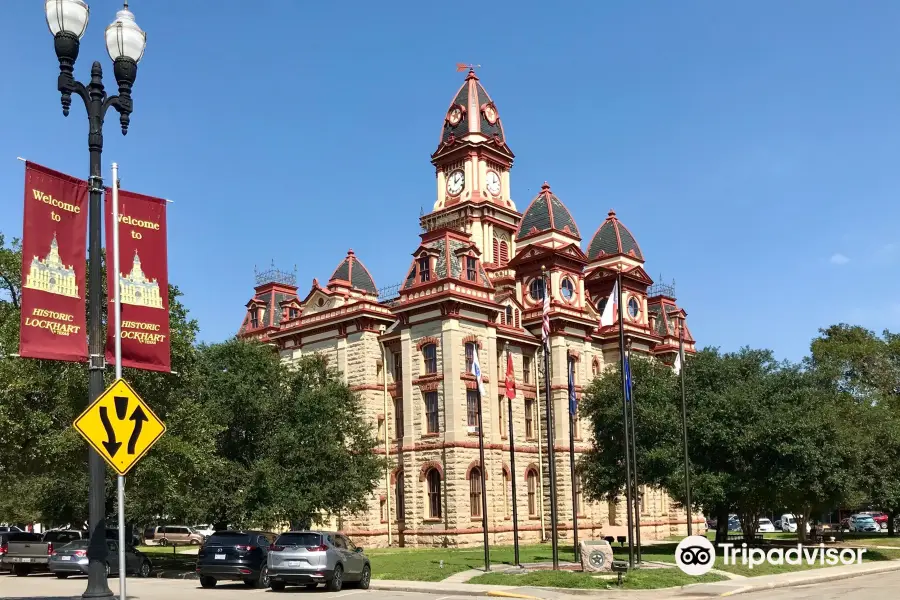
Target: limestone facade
476	285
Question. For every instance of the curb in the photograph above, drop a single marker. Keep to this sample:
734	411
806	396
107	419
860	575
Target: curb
174	575
749	586
512	595
422	589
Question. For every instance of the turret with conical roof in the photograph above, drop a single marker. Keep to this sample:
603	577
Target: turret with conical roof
352	274
547	214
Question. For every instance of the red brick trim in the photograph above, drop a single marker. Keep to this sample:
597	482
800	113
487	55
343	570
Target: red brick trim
575	355
531	467
472	339
394	473
506	472
431	464
428	340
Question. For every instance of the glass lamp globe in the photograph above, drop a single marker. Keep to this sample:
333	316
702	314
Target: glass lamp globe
67	15
124	39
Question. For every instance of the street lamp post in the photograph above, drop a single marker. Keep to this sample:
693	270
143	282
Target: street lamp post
125	42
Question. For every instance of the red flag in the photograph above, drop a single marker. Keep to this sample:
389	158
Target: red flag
510	377
53	266
143	281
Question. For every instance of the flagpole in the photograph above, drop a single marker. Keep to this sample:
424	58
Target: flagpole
687	461
117	308
572	410
623	368
636	496
484	515
512	463
537	423
551	454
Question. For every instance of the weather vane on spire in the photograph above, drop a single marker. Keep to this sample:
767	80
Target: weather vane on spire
464	67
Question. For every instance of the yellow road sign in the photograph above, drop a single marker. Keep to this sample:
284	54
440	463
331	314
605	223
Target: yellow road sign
120	426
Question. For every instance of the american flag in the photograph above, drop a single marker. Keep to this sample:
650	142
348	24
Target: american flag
546	325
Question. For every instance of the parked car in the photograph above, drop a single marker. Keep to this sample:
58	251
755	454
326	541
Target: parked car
309	558
172	535
777	524
235	556
879	517
734	525
72	559
789	524
30	552
4	546
765	526
9	529
113	534
863	523
204	530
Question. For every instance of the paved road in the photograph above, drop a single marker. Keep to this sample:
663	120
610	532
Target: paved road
883	586
49	588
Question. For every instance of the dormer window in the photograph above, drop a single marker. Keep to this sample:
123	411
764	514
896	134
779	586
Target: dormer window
293	313
254	318
509	315
471	268
424	269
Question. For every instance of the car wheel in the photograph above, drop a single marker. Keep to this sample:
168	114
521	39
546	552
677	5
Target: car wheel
208	582
277	586
337	579
62	575
163	542
366	578
21	570
145	569
263	581
195	543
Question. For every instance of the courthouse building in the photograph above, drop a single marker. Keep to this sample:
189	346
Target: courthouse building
474	285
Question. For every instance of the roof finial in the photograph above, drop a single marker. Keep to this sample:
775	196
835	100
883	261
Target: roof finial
545	187
612	213
350	252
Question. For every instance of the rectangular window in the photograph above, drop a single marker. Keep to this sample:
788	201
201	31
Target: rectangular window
529	419
434	494
472	408
424	270
383	511
401	498
471	270
430	354
531	481
254	318
431	412
470	356
398	367
292	313
381	426
398	418
501	409
475	493
526	368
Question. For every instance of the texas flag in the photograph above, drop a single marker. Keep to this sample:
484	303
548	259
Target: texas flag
610	311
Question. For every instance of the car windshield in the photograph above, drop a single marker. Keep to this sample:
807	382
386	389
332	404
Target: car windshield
76	545
228	538
61	536
299	539
21	536
765	522
864	518
788	520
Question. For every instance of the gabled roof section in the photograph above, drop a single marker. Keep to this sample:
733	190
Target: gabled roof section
447	252
611	238
353	274
547	213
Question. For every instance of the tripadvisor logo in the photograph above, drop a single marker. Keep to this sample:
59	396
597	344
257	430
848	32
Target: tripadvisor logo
695	555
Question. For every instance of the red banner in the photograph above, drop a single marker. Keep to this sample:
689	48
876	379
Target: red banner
53	266
143	281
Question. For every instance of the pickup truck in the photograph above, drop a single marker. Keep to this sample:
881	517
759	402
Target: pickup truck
29	552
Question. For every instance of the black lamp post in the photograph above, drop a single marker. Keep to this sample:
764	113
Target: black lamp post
125	42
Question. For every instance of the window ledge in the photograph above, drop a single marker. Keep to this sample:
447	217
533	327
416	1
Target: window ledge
433	520
504	437
431	435
534	517
475	519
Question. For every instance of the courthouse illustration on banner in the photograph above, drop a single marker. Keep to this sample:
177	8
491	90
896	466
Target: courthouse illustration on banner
53	266
143	281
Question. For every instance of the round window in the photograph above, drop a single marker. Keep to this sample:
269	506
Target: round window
634	308
536	289
320	302
567	288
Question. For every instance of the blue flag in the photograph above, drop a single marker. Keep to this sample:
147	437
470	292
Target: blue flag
573	402
627	379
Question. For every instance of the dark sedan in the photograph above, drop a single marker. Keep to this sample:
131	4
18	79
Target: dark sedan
72	559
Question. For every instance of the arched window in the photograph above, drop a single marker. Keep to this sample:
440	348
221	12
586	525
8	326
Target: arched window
471	349
429	352
567	289
504	252
433	480
424	269
509	315
400	497
475	492
506	511
595	367
634	307
536	289
531	480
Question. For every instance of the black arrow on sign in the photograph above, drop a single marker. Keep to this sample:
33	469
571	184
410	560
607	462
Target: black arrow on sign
138	417
112	446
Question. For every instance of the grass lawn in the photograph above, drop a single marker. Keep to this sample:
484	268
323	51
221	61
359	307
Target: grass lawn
424	564
637	580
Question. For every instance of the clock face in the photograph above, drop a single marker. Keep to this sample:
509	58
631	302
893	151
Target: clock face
493	182
454	116
455	182
490	113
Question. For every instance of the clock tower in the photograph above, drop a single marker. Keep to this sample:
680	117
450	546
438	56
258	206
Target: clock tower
472	164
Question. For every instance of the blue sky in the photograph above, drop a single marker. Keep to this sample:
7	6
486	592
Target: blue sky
751	147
